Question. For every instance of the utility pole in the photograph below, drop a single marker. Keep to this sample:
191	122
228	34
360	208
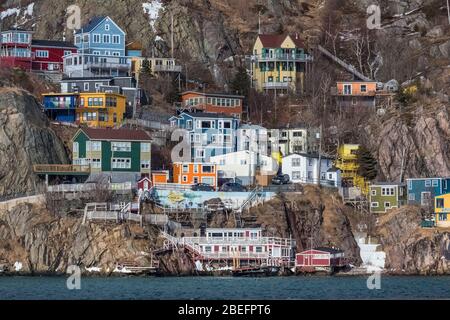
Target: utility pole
171	32
448	10
320	156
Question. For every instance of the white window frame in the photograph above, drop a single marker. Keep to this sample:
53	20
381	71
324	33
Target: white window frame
374	205
94	36
145	147
42	54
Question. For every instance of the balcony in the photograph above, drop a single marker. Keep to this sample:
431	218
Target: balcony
275	85
62	169
283	57
167	68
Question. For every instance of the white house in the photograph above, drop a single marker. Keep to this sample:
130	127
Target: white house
252	138
243	166
303	168
293	140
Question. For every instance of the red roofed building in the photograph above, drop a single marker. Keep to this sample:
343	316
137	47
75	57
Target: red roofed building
279	63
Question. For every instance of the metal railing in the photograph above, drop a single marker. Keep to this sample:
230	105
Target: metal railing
282	85
298	57
80	187
167	68
56	168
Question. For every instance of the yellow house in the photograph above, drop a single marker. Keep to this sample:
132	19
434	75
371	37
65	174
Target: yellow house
347	162
157	66
441	209
279	63
101	109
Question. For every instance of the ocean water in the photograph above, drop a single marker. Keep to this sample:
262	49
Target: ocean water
224	288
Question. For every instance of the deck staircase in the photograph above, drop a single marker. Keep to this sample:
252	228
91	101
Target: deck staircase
343	64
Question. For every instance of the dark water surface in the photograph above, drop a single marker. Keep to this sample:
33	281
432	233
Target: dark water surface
218	288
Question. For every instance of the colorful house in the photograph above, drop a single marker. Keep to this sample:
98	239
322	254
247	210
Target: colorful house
441	210
113	151
213	103
386	196
101	109
160	177
158	66
320	259
422	191
48	54
279	63
347	162
15	48
355	93
101	51
209	134
61	106
189	173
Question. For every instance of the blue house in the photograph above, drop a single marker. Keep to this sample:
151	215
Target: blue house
209	134
101	36
61	106
101	51
421	191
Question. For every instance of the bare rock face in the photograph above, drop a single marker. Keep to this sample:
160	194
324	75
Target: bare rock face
44	243
414	144
411	249
25	140
314	217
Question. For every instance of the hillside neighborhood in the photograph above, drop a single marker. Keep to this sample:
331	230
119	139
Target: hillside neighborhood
202	169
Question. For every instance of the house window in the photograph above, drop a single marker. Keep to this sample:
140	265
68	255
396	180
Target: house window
121	146
145	164
195	168
75	147
145	147
116	39
409	184
195	180
439	203
121	163
185	179
42	53
86	86
374	204
363	88
347	89
435	183
94	146
412	197
96	38
116	54
427	183
207	169
208	180
67	52
200	153
296	162
106	38
297	134
107	27
96	53
96	163
296	175
387	205
374	192
185	168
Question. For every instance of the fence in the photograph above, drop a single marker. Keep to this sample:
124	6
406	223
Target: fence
83	187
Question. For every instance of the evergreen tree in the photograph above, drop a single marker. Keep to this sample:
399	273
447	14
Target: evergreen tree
240	83
146	68
367	164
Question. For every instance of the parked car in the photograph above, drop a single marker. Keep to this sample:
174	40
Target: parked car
281	179
233	187
202	187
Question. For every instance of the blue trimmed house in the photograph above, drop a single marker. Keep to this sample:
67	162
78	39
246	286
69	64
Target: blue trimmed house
208	134
422	191
101	51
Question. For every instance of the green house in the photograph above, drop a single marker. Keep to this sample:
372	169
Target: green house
112	151
386	195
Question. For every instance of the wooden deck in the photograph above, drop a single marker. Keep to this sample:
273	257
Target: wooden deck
61	169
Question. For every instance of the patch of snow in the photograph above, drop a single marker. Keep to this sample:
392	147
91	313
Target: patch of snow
18	266
9	12
372	269
152	10
30	9
158	38
121	270
94	269
198	266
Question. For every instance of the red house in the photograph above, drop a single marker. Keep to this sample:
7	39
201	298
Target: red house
144	184
15	48
212	103
320	258
47	55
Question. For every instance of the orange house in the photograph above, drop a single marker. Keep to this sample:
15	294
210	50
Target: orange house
356	93
192	173
213	103
160	177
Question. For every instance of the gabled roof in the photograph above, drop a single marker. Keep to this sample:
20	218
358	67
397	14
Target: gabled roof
213	94
94	22
115	134
329	250
207	115
52	43
275	40
310	155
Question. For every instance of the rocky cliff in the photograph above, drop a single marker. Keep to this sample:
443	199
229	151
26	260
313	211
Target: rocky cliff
411	249
25	140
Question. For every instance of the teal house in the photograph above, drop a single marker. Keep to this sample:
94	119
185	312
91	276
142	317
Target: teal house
123	154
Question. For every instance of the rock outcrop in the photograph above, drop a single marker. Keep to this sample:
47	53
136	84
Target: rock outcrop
25	140
411	249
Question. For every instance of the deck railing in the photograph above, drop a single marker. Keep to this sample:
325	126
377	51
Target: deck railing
56	168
